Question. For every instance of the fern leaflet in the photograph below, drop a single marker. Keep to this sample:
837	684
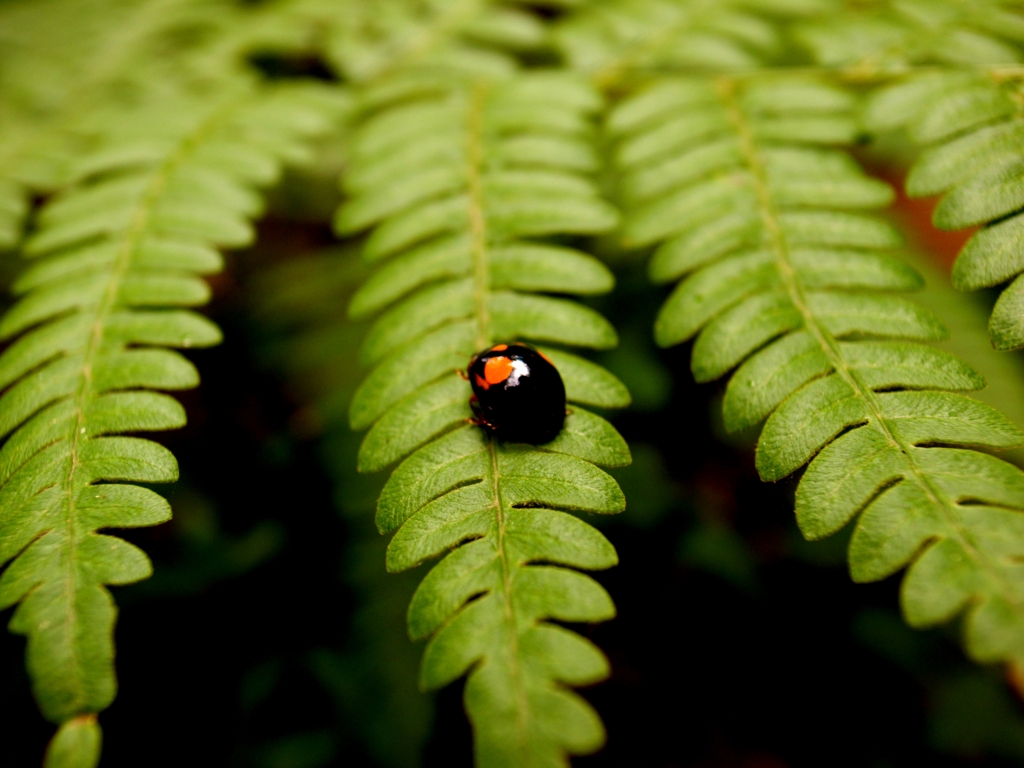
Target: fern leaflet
459	184
116	260
784	278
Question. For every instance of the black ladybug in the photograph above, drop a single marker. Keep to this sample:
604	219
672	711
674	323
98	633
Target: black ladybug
518	394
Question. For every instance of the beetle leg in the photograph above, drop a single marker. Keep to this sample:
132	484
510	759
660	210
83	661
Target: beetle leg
475	405
477	419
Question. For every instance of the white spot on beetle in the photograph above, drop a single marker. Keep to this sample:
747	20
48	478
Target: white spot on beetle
519	368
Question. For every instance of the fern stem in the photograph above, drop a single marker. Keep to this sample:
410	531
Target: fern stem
748	146
481	286
477	221
522	726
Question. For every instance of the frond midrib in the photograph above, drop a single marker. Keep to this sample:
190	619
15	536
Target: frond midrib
477	216
481	291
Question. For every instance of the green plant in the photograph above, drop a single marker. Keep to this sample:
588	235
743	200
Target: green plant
792	296
490	167
116	255
487	152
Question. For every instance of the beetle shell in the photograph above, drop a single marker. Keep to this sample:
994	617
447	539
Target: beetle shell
518	394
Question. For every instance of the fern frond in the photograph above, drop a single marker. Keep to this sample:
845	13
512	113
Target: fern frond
117	262
971	125
786	280
891	36
458	186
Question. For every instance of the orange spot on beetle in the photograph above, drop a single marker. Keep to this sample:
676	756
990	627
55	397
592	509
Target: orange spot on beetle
482	383
499	347
497	369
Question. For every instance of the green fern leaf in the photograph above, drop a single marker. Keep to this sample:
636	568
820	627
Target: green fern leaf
972	128
822	351
75	745
117	261
456	222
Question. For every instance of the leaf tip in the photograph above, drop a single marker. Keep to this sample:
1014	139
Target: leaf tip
76	744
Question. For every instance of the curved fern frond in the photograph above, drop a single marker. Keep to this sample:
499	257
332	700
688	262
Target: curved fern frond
458	187
786	278
972	128
891	36
117	260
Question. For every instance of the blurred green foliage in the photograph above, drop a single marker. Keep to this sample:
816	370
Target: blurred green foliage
270	634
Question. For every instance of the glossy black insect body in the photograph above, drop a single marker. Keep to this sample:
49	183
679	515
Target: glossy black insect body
518	394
